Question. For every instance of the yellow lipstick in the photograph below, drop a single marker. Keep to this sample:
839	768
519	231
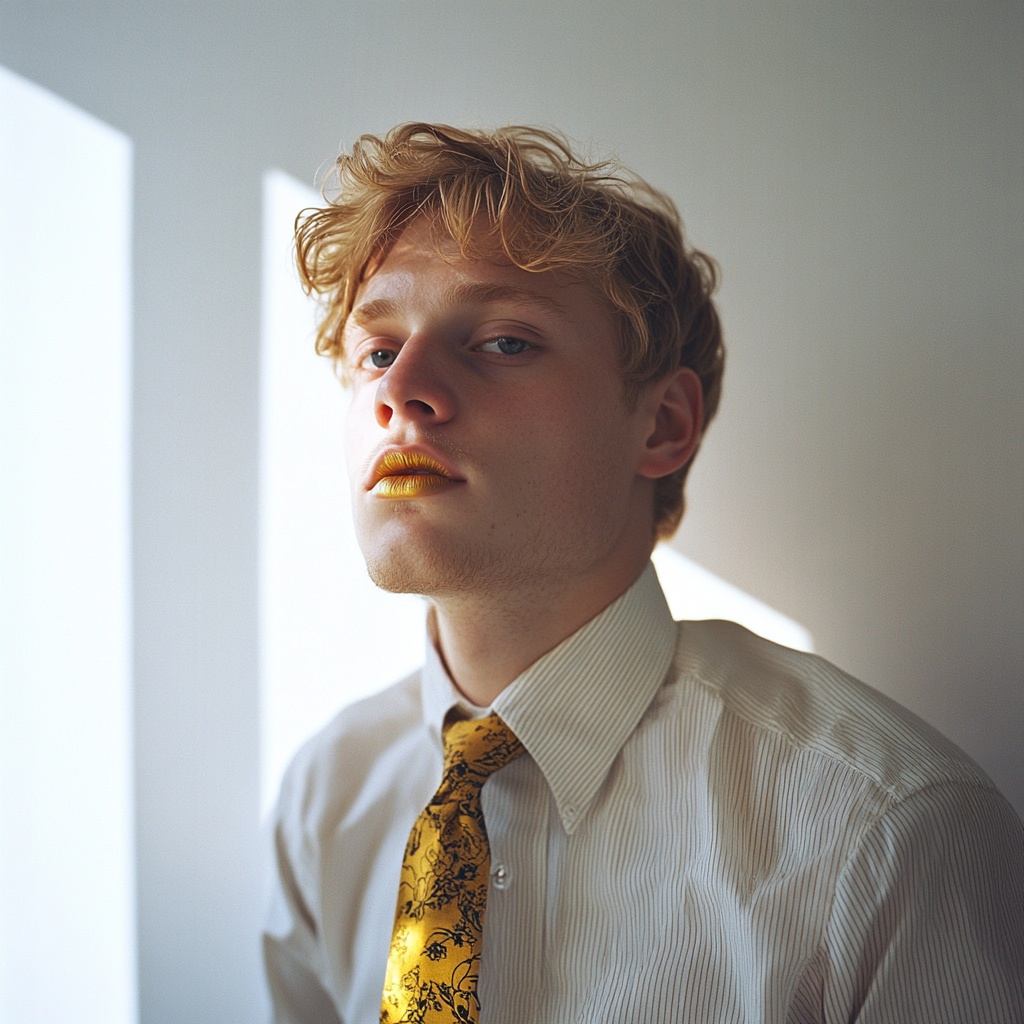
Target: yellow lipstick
410	475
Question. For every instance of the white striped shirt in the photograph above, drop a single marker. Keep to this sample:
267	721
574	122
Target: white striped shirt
706	827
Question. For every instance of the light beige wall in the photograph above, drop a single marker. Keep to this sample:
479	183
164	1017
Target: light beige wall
856	168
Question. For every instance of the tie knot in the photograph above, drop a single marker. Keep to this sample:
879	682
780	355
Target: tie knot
475	748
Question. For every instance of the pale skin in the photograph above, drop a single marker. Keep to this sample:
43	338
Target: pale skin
526	503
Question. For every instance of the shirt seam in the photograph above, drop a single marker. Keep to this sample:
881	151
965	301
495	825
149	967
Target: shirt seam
873	823
895	792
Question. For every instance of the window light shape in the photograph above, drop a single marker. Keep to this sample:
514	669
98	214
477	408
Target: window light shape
328	636
67	888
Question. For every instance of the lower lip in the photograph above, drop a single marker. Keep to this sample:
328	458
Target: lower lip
411	485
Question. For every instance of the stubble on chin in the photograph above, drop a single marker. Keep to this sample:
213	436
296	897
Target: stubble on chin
447	572
452	567
404	571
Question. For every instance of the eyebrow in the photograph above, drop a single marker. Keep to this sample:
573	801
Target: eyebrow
460	295
375	309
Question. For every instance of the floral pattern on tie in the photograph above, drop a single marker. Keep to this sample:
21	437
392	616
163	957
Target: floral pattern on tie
435	948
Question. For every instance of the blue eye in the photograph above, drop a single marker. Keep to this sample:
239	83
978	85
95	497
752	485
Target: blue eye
379	358
506	346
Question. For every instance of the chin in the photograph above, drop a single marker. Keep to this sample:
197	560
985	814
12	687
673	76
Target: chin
405	569
407	555
445	566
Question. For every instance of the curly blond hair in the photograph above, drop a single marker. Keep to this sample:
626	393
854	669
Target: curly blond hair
548	209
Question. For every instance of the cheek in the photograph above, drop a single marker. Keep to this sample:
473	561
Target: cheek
589	418
575	444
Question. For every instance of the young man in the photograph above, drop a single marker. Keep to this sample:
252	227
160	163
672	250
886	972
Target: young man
580	810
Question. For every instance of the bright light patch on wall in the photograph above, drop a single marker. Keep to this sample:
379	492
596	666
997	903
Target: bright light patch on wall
328	636
695	593
67	906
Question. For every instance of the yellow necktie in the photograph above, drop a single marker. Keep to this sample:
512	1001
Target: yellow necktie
435	949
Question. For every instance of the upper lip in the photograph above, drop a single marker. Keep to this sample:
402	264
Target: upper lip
405	461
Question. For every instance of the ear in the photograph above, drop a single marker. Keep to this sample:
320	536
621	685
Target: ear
675	413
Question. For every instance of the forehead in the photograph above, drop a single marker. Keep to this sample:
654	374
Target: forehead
426	266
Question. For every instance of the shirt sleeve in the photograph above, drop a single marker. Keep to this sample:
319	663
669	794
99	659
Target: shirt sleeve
928	919
291	951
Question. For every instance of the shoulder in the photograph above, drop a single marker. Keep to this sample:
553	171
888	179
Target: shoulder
814	708
333	767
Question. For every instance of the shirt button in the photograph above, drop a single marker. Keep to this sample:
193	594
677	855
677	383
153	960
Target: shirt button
499	876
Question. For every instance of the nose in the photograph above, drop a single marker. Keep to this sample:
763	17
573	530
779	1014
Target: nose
414	388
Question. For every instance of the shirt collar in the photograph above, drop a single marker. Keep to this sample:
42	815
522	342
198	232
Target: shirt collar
575	707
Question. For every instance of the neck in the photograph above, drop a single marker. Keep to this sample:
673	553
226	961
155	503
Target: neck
488	639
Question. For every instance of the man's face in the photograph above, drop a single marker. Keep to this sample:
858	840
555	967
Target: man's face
488	441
